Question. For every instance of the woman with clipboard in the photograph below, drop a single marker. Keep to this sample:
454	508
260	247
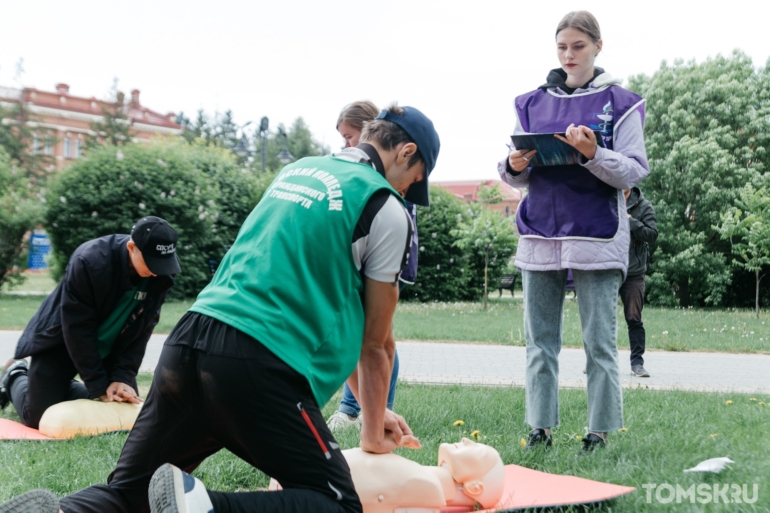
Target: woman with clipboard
574	218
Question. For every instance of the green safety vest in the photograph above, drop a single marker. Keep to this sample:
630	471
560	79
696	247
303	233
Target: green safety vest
108	331
290	280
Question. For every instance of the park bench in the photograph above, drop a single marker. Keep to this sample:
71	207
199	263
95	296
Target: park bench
507	282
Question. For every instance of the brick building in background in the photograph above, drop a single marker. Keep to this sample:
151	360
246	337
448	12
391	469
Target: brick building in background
467	191
62	121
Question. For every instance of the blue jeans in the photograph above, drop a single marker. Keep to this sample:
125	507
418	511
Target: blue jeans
543	311
350	406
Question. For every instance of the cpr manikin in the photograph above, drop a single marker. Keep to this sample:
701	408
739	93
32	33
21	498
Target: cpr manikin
86	417
468	473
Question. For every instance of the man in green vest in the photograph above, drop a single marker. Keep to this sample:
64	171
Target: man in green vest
303	300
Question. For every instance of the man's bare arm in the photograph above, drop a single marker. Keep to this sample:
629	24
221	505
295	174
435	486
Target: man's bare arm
374	369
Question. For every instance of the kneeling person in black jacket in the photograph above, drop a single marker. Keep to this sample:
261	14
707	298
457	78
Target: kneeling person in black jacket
96	323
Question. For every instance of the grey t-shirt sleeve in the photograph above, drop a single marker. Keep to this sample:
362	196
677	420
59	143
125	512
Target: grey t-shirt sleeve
381	248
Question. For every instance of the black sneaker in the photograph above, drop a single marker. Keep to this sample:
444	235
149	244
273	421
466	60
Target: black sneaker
536	437
639	372
592	441
5	399
35	501
12	368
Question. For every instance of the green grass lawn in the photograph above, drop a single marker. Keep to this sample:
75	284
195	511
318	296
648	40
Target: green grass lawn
35	281
16	311
668	329
667	433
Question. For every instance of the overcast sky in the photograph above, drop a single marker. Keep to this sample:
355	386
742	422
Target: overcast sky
461	63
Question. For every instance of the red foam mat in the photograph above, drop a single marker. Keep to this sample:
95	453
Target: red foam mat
10	430
527	488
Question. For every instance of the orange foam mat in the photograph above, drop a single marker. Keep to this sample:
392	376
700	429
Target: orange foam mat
10	430
526	488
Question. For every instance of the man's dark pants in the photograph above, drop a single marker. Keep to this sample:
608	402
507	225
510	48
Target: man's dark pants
49	380
632	295
215	387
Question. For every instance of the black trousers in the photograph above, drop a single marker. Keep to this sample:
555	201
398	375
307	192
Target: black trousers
632	295
245	400
49	380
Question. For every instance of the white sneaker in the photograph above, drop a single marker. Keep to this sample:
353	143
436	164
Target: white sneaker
341	421
174	491
35	501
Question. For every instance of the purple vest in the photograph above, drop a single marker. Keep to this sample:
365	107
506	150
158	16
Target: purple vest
409	274
569	202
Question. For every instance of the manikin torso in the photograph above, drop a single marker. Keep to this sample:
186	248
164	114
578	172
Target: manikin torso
468	473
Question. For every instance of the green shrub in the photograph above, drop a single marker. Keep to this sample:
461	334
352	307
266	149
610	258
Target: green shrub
443	272
484	228
200	191
19	212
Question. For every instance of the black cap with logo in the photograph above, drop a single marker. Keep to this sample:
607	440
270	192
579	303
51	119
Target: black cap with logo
157	241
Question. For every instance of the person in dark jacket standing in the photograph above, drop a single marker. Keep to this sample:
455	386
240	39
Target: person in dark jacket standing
641	220
96	323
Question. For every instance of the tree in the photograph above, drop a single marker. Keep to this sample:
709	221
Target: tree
192	130
299	142
706	136
223	132
200	190
747	226
23	144
487	232
114	129
443	271
20	211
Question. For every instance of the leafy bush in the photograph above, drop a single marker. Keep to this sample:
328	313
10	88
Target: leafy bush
706	135
443	267
19	212
489	240
200	191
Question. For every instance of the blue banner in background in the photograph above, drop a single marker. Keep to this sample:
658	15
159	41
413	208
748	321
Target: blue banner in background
39	249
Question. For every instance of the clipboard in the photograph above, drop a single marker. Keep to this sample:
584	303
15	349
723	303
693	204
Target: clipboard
550	150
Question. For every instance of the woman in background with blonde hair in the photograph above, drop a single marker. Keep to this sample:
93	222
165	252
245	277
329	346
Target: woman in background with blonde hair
574	217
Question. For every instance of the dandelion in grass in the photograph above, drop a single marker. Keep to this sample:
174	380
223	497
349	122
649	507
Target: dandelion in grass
459	423
522	442
623	429
728	402
714	435
578	437
752	399
475	434
761	403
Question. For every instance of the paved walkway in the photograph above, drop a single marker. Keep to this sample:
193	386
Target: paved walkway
482	364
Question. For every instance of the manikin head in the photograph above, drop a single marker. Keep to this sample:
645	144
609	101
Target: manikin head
477	467
352	119
578	42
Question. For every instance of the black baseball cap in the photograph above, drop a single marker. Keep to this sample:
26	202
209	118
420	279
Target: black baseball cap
420	130
157	241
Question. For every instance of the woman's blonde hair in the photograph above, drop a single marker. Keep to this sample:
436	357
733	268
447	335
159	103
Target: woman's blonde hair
358	113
